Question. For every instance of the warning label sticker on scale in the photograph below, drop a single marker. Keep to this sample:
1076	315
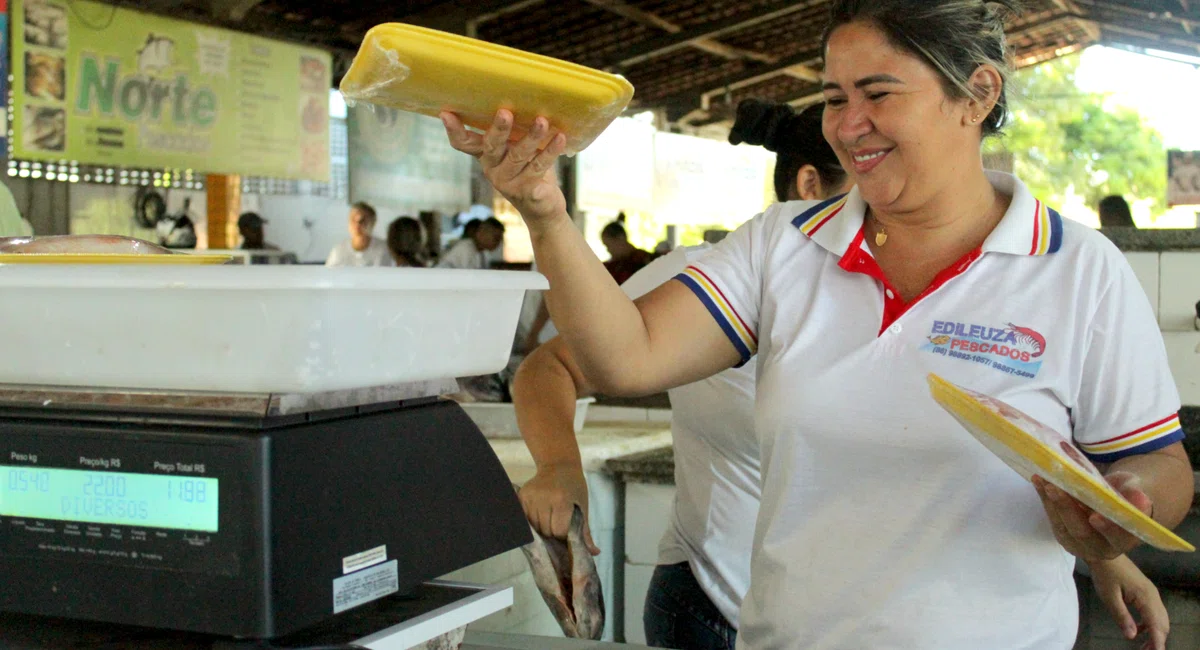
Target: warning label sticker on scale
365	586
363	560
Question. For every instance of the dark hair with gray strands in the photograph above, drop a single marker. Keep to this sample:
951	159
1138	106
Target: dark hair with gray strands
954	37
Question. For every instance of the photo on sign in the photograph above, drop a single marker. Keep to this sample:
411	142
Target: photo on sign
45	76
314	114
313	76
45	128
46	24
1183	178
314	158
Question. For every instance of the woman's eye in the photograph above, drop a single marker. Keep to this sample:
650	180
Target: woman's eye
835	101
876	96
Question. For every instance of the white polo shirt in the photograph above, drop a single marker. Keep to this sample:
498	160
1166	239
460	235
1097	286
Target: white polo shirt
375	254
883	523
464	254
717	475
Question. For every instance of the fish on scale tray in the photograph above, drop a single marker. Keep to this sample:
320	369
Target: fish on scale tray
81	245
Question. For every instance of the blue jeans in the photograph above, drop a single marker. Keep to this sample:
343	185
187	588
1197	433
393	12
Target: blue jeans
680	615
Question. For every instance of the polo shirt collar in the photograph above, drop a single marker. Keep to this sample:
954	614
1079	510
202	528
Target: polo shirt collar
1029	227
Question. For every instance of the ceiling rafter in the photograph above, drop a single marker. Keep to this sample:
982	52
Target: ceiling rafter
704	43
683	55
232	9
684	38
704	111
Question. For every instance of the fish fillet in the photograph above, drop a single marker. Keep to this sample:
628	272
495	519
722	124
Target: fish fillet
81	245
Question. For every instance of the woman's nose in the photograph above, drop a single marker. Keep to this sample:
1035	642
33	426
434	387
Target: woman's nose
854	123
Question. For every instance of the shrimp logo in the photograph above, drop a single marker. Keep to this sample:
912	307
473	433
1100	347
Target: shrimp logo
1013	349
1029	338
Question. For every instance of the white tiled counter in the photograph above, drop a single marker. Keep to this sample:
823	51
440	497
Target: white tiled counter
1171	280
598	442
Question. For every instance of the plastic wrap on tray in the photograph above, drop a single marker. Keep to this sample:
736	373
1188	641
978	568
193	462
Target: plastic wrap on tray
80	245
426	71
1032	448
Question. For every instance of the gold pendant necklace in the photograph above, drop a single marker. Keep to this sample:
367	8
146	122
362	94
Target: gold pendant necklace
881	235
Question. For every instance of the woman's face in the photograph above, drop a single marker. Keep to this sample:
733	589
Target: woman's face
894	129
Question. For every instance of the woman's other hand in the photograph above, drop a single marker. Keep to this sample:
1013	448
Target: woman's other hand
522	171
1120	584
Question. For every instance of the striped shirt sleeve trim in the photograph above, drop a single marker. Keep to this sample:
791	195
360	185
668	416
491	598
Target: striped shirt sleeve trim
1151	437
743	339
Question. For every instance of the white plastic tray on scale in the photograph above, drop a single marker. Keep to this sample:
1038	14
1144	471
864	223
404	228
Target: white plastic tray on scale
257	329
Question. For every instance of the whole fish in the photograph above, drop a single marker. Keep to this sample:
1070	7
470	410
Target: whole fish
565	574
81	244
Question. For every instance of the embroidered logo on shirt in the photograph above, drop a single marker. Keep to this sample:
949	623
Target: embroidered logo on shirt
1012	349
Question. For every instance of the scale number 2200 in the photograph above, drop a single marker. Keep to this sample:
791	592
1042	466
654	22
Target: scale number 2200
187	491
103	485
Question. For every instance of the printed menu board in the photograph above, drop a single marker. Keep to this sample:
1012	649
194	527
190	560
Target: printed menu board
399	159
3	70
101	85
1183	178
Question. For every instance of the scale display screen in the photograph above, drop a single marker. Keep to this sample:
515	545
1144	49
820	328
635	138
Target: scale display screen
116	498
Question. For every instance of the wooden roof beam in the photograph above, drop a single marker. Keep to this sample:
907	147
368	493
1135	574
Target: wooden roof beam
706	44
1147	40
697	102
1101	10
513	7
456	16
1068	6
684	102
1192	46
234	10
684	38
803	73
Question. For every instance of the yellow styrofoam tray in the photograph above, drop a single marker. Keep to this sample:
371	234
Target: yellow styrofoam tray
1030	448
426	71
116	258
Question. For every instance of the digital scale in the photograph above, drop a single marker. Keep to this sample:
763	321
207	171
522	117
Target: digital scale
241	515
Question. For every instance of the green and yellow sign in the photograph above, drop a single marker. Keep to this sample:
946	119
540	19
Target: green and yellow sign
106	86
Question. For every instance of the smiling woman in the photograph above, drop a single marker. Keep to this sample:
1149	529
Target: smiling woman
882	523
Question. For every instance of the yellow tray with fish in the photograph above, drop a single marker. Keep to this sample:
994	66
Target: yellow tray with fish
95	249
427	71
110	258
1030	448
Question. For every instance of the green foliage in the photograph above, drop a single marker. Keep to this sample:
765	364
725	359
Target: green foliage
1061	137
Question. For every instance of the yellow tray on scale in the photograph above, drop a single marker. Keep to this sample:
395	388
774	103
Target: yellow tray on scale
427	71
111	258
1030	448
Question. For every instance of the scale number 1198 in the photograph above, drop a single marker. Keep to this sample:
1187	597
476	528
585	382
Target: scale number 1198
187	491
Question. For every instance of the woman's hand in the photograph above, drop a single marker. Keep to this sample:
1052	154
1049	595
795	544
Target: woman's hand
549	499
521	171
1085	533
1119	583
